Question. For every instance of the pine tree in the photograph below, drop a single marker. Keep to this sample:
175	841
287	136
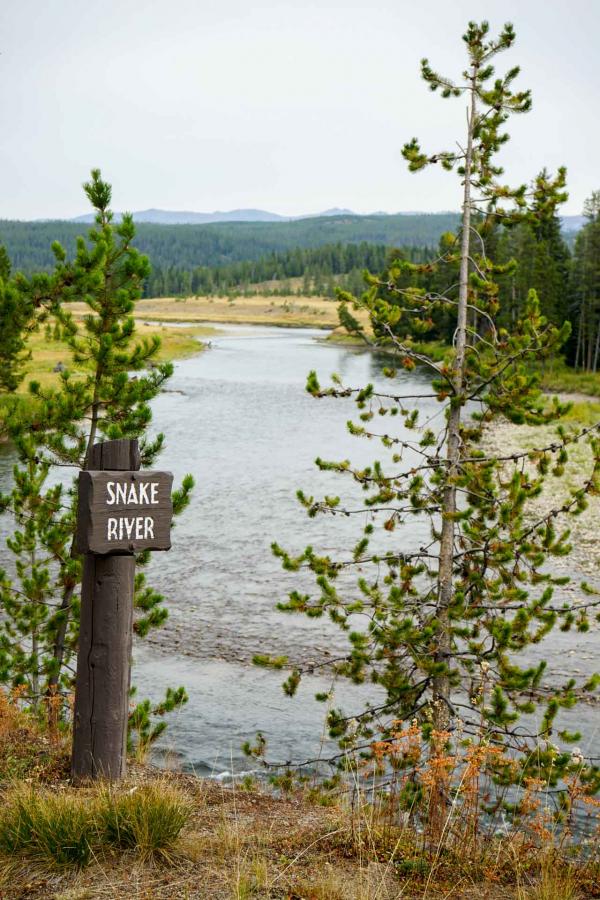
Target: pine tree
585	288
444	624
539	250
104	392
24	305
5	266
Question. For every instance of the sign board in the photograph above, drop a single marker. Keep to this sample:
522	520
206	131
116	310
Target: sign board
124	512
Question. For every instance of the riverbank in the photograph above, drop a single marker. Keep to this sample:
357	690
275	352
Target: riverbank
165	835
505	438
556	376
176	343
292	312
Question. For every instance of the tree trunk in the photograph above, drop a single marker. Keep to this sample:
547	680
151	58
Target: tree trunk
441	683
104	655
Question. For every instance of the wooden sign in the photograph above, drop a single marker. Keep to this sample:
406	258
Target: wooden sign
121	510
124	512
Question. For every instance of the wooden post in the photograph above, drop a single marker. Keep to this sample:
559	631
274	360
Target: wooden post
104	655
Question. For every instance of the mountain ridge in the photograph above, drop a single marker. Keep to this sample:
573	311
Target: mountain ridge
157	216
153	215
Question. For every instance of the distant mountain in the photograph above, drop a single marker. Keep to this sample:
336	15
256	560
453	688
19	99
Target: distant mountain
336	211
183	217
243	237
171	217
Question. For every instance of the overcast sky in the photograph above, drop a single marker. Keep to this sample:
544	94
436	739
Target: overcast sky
288	106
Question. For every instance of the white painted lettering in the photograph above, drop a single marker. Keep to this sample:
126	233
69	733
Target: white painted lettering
139	528
121	493
111	530
128	526
154	492
110	491
132	496
148	527
143	489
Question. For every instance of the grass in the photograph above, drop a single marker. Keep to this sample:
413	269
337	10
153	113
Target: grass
54	828
294	311
147	819
557	377
47	353
583	413
179	841
166	835
67	828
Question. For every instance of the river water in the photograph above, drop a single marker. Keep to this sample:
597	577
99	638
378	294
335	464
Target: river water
238	418
241	421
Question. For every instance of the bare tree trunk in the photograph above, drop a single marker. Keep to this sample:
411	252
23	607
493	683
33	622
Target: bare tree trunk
513	310
578	349
441	683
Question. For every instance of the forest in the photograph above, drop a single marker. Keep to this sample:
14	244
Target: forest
302	258
189	246
529	255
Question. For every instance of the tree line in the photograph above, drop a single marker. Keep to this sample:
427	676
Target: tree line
190	246
531	254
318	267
245	258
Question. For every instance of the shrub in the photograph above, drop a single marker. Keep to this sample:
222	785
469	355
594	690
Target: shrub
148	819
57	828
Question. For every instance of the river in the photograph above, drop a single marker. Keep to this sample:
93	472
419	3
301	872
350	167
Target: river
238	418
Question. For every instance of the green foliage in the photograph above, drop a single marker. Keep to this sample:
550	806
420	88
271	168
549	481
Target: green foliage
104	391
144	729
24	304
444	628
147	819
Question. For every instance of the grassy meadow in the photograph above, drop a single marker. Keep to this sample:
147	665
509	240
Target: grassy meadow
293	311
47	353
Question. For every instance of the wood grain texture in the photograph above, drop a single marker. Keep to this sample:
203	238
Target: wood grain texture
104	652
110	521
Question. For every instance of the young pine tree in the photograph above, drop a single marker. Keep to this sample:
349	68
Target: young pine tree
103	392
444	629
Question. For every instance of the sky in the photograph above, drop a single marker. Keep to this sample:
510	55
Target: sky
292	107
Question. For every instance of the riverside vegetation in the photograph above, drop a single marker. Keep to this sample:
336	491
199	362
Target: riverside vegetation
166	835
108	378
465	781
444	628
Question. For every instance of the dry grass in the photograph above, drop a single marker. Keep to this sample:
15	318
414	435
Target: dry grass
164	836
176	343
26	749
251	844
256	310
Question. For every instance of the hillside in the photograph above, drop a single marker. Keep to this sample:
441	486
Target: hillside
188	246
